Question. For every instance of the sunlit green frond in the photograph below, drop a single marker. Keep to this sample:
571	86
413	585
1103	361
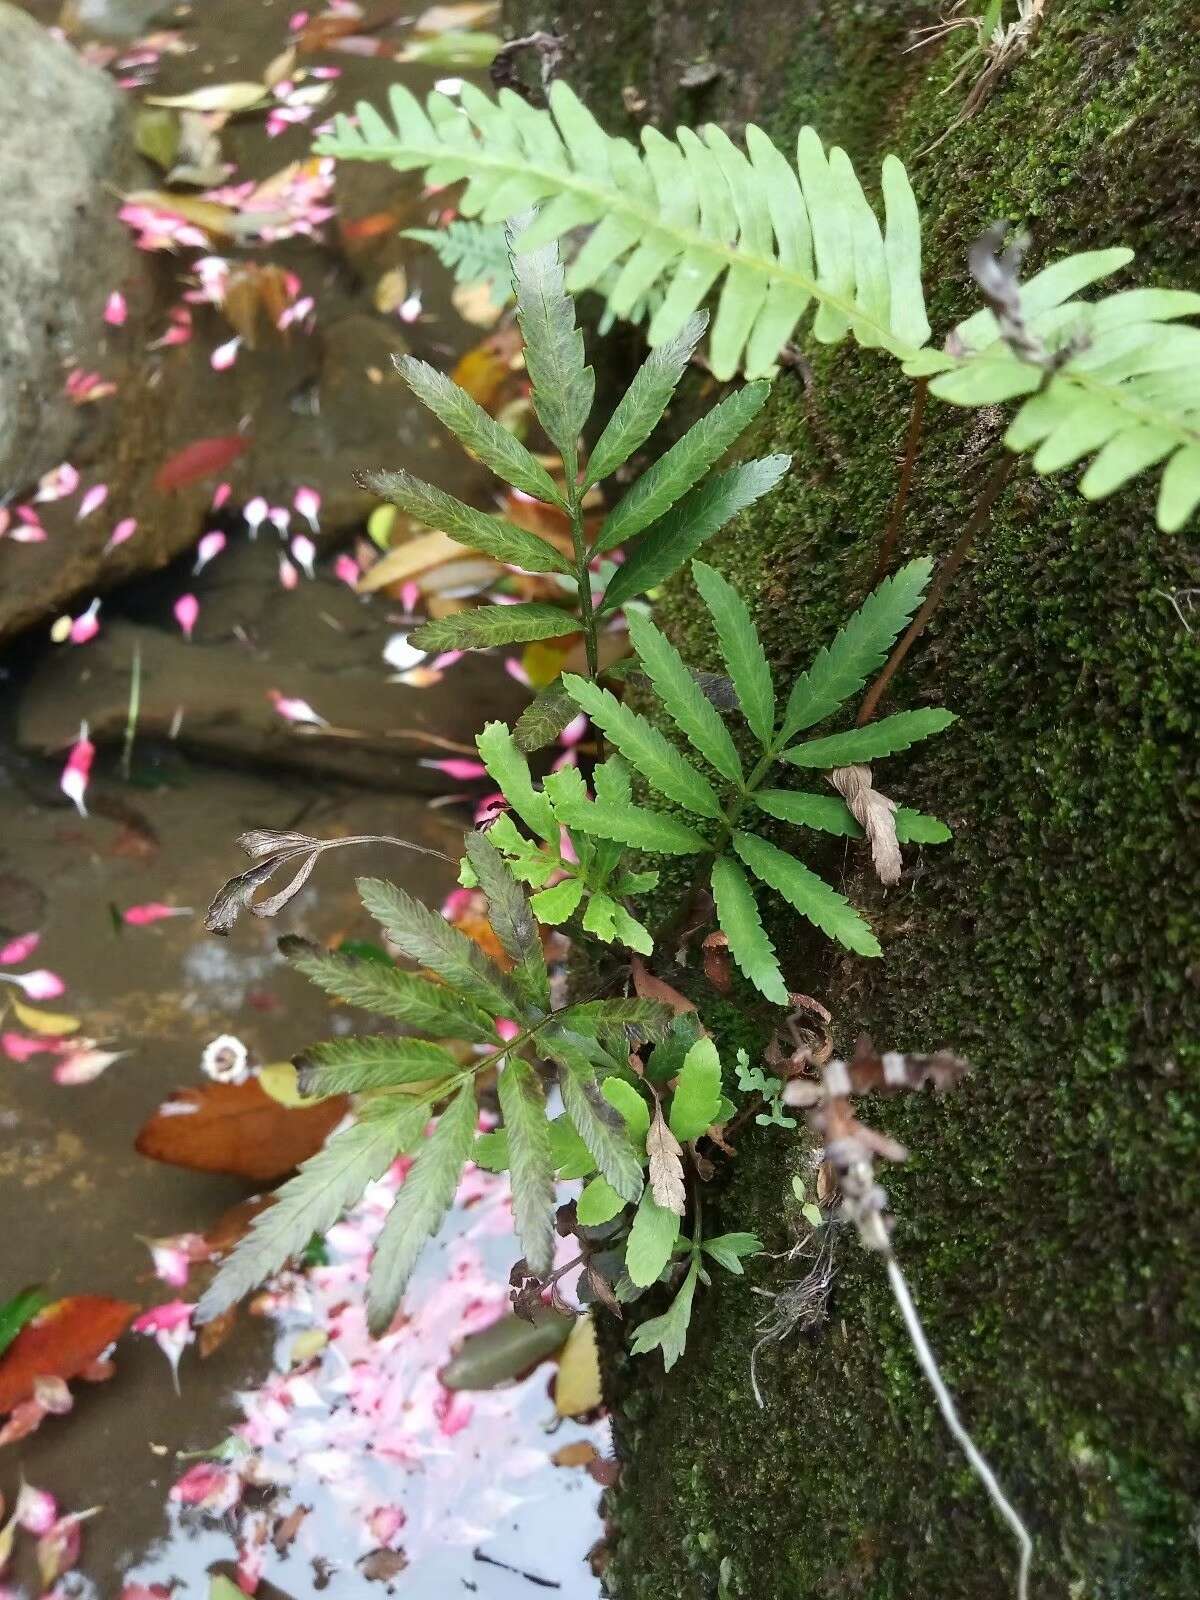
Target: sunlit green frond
690	214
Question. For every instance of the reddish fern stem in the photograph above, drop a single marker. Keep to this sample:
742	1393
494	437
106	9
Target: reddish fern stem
887	547
946	573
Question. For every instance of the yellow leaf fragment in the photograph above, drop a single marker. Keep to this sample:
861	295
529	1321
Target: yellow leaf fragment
578	1388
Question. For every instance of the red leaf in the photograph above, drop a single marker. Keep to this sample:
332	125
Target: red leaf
61	1342
238	1128
200	459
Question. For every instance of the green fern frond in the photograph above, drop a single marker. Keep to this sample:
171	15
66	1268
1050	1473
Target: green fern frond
777	240
1118	382
686	214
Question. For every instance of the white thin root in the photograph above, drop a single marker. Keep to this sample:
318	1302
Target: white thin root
979	1466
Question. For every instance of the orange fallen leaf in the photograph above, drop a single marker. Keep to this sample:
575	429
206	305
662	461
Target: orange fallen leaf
63	1341
239	1129
581	1453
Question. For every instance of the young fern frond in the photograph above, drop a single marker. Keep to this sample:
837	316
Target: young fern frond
668	513
776	240
1113	379
687	213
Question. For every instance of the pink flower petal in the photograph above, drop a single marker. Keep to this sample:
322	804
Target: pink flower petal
255	513
36	1510
210	1484
74	780
86	626
170	1326
308	503
20	1047
92	501
186	609
115	310
225	355
220	495
125	529
288	576
208	549
305	552
346	568
152	911
84	1063
295	710
58	1550
19	949
37	985
57	483
458	768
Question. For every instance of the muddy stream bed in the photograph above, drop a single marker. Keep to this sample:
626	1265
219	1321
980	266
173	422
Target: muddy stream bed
406	1487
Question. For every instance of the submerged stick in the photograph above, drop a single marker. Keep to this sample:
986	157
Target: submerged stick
135	708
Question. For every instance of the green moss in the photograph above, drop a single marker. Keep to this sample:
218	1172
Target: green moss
1047	1216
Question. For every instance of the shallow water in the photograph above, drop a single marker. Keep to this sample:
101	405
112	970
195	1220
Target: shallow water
486	1512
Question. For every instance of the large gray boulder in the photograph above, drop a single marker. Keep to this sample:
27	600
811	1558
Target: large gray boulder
66	154
65	144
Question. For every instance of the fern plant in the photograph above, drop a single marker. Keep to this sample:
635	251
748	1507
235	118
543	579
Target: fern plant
713	817
669	511
592	875
475	252
614	1125
676	1102
720	809
402	1079
786	240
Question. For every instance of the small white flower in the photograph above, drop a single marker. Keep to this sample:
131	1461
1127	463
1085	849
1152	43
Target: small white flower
226	1060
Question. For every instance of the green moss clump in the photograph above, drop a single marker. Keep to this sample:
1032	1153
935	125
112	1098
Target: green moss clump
1047	1217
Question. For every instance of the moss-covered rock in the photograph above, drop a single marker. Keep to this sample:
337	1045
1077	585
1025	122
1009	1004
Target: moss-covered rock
1048	1216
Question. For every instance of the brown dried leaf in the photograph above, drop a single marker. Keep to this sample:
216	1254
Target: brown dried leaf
579	1453
649	987
717	966
874	813
214	1333
666	1164
383	1565
286	1529
602	1289
891	1071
